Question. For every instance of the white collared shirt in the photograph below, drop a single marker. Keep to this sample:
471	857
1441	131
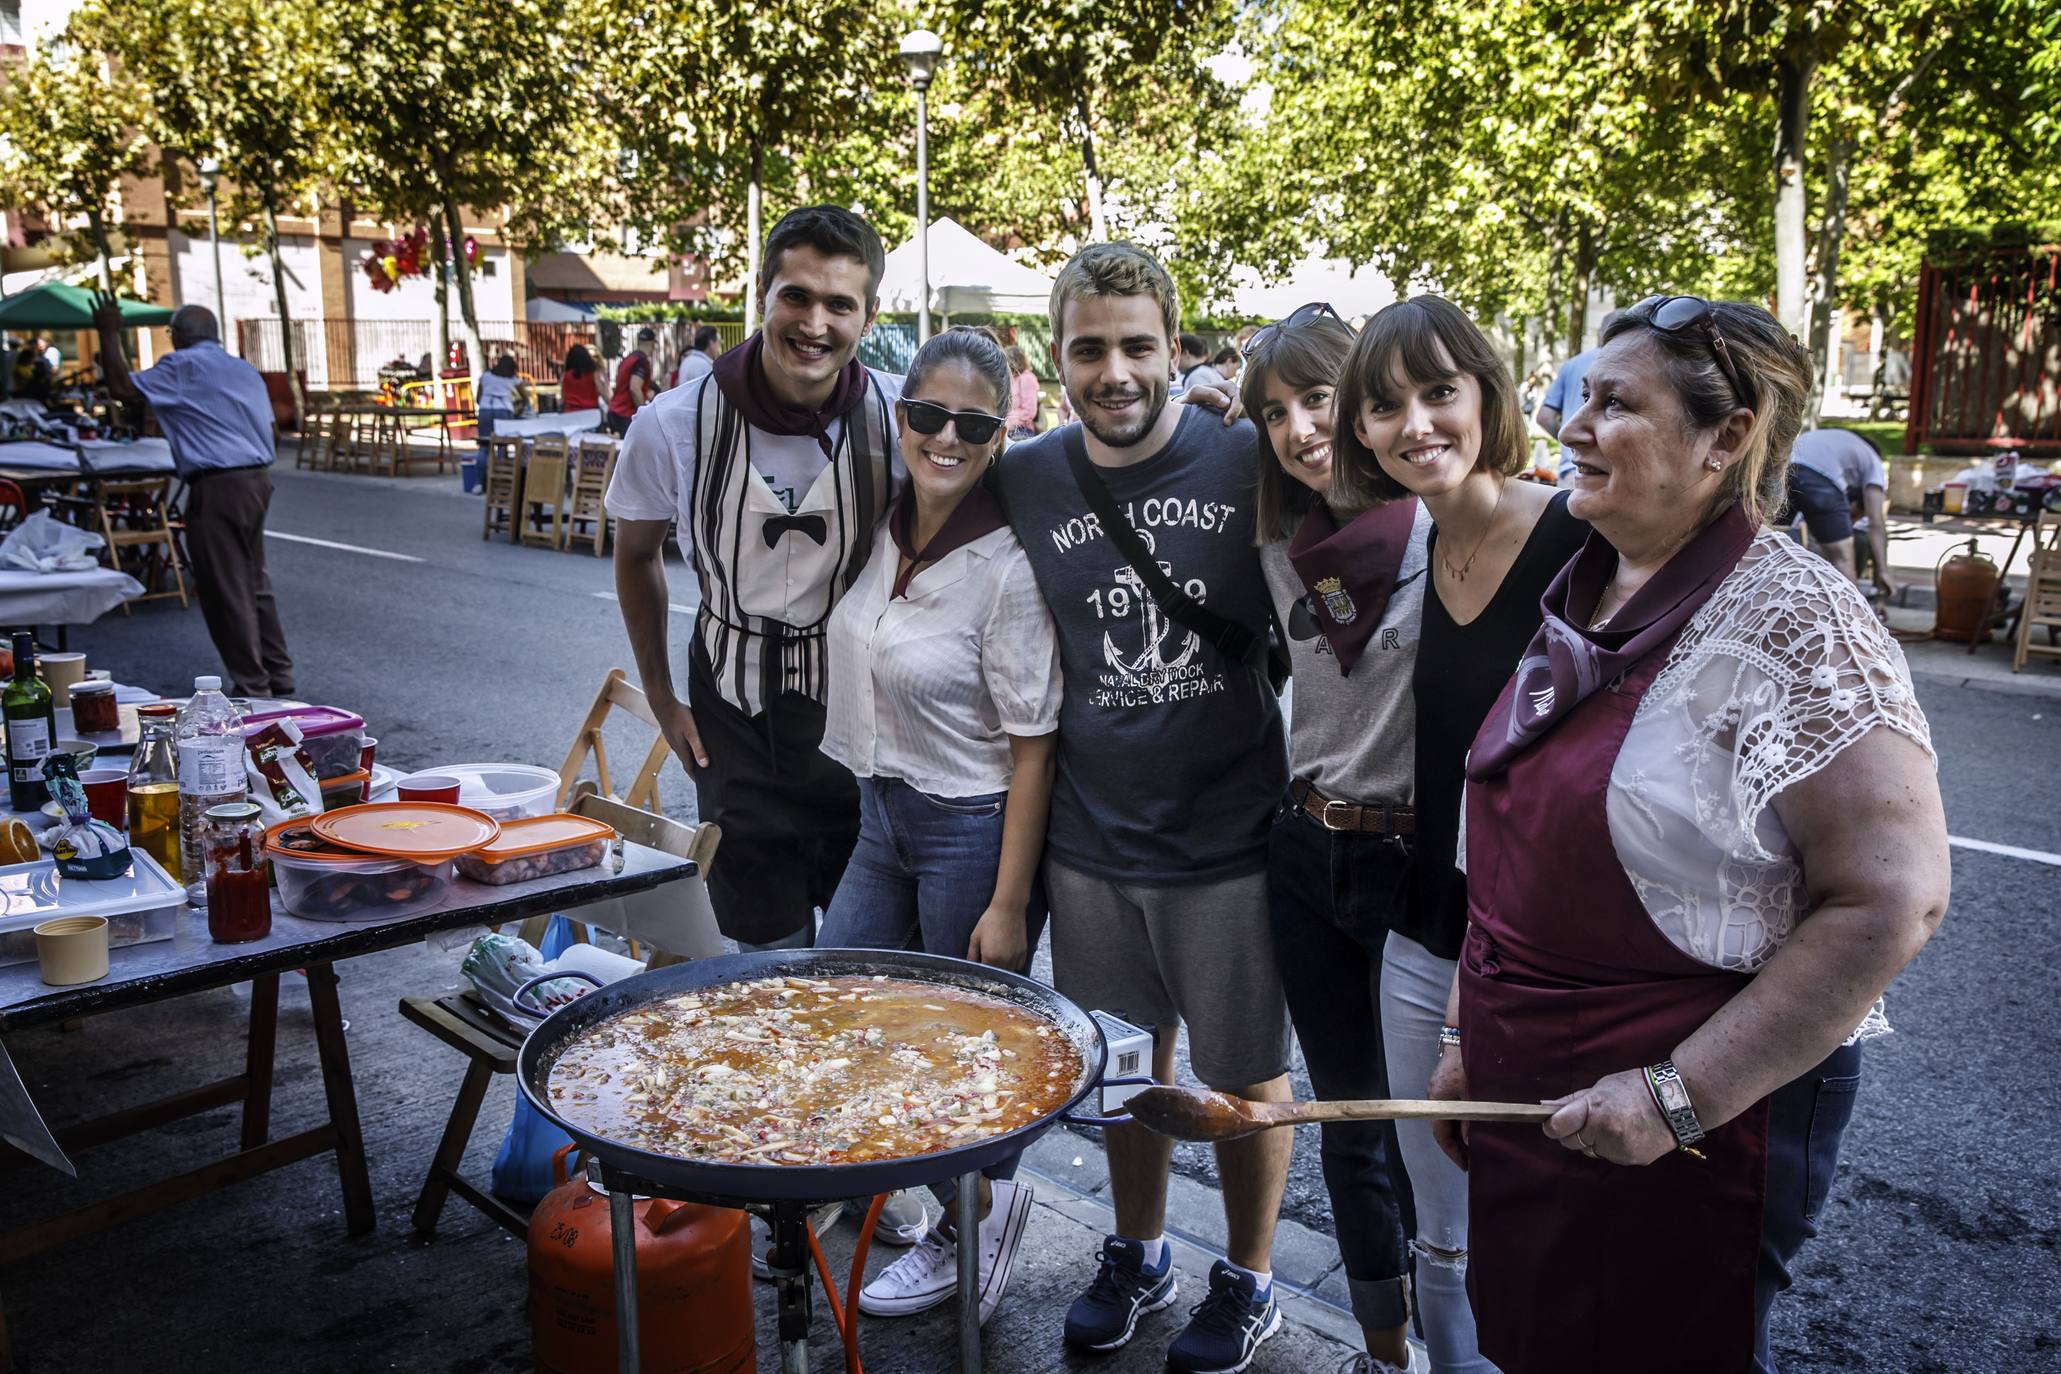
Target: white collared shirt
928	688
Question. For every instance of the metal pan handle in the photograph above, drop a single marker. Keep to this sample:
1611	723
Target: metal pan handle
515	998
1121	1118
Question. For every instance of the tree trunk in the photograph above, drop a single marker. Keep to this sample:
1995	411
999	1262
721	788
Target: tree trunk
1091	175
752	265
1794	71
98	229
1824	315
440	253
293	374
1584	281
461	272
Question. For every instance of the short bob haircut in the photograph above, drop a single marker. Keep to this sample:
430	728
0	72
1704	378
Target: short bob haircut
1774	368
1113	269
832	231
1309	356
1427	339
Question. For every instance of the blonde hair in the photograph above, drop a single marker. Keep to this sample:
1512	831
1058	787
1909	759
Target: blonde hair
1113	269
1773	368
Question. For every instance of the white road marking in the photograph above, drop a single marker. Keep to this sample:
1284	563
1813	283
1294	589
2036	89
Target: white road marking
2009	851
672	606
347	548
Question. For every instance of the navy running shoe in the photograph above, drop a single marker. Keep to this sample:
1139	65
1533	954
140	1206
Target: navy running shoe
1226	1328
1104	1317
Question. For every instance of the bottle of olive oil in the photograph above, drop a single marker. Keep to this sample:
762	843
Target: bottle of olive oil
31	714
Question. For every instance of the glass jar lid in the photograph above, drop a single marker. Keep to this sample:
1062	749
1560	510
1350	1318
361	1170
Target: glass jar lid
233	813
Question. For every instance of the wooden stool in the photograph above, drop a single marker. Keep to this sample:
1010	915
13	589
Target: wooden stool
504	470
593	466
543	488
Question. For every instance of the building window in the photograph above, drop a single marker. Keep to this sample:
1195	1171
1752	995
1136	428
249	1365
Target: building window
10	24
489	268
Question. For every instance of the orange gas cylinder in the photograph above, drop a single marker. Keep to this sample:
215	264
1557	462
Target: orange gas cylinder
1964	585
694	1305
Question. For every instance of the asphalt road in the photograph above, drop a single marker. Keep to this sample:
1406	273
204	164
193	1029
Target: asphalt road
1941	1248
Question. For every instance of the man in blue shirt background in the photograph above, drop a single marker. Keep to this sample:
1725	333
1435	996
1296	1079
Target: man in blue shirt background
216	415
1563	397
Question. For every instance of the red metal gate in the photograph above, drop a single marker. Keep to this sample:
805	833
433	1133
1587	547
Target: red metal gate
1986	354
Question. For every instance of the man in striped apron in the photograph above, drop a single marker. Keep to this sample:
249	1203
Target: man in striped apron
776	468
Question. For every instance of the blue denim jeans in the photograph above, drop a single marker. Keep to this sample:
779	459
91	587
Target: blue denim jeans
1807	1117
919	878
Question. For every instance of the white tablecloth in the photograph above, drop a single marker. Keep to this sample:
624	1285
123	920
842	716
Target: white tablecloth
62	598
566	422
143	455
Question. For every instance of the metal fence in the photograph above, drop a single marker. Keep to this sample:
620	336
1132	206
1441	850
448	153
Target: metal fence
347	354
1987	355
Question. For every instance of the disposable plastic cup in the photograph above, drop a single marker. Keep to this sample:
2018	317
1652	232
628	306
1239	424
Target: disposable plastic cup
72	949
429	788
60	671
107	795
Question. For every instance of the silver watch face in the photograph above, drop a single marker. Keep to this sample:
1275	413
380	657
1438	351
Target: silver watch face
1673	1095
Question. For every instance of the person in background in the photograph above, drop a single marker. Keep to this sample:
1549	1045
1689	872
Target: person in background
499	395
1435	416
1023	394
579	386
633	382
1829	470
1170	768
8	351
1227	363
947	667
1347	581
1563	395
216	416
1704	833
1194	367
701	355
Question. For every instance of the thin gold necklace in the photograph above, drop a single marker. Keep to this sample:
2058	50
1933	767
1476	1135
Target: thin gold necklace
1459	574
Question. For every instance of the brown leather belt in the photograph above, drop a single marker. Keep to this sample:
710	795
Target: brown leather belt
1375	818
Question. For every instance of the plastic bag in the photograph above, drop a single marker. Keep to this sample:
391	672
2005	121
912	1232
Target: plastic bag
43	543
281	775
522	1169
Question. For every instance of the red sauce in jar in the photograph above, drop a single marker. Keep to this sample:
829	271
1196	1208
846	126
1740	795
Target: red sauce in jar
240	903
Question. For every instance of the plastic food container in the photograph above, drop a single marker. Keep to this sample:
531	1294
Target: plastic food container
334	738
505	791
141	906
538	847
352	789
421	832
321	882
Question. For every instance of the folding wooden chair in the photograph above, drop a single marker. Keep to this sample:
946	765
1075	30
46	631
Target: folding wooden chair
504	470
593	464
2042	606
616	694
543	492
132	517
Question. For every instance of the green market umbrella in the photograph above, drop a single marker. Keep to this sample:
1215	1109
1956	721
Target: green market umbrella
55	305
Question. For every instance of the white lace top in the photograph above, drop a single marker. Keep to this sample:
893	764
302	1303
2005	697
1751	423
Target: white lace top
1781	670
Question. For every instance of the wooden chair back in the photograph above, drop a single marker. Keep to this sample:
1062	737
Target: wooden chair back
543	492
2042	608
593	465
695	842
132	517
616	694
504	470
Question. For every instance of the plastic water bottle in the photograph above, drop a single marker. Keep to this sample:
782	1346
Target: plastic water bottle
210	748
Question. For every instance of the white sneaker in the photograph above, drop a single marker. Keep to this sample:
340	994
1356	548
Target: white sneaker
820	1221
929	1273
903	1221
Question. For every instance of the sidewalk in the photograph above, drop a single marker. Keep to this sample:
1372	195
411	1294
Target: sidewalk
1915	552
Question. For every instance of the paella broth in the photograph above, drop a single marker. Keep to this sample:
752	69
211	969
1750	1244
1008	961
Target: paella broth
836	1070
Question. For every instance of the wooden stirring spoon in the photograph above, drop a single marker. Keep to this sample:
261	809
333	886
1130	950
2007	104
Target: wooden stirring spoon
1192	1114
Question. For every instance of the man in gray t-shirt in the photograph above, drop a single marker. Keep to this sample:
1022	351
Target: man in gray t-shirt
1831	465
1170	766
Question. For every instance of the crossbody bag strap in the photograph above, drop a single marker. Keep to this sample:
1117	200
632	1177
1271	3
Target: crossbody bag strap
1231	639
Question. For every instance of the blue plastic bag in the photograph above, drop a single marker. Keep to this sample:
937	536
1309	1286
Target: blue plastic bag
522	1171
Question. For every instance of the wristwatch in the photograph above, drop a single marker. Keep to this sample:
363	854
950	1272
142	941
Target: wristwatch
1671	1095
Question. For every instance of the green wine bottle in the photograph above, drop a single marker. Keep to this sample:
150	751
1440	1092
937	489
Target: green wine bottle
31	727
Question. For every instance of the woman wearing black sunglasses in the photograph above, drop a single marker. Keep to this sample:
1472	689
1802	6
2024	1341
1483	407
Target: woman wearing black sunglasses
1677	909
944	703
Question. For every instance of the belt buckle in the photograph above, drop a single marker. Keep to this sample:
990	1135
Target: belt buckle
1324	816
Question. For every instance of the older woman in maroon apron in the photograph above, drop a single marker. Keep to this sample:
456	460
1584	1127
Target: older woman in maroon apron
1681	918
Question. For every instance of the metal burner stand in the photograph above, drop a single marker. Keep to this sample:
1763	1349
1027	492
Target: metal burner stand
788	1259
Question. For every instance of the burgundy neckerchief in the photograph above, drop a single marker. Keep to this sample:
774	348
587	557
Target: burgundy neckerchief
1351	571
976	514
1566	660
741	374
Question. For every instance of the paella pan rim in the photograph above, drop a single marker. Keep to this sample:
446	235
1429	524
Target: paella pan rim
804	1182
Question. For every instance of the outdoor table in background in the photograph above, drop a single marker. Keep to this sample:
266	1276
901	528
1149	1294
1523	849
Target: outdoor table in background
570	423
62	598
101	458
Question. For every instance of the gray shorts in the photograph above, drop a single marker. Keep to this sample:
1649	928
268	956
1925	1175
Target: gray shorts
1158	956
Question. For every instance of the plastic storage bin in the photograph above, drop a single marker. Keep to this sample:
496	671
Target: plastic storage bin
326	883
334	738
140	907
505	791
538	847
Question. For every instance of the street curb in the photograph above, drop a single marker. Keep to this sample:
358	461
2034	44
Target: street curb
2017	687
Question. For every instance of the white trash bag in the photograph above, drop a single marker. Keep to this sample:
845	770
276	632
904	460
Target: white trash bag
43	543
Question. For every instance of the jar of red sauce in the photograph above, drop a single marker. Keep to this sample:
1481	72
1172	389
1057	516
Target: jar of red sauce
239	876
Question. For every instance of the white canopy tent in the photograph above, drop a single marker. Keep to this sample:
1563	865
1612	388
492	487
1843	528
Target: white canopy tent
966	278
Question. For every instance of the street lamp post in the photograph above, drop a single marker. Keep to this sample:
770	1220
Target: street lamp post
920	51
209	169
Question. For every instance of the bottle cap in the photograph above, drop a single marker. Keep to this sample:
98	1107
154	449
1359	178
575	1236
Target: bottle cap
207	684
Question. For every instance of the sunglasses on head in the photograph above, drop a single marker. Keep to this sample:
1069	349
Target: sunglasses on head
1300	316
972	426
1673	314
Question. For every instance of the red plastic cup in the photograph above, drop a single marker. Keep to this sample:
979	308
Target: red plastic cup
107	795
366	752
429	787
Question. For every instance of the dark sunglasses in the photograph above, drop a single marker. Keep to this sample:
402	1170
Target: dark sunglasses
1673	314
1300	316
972	426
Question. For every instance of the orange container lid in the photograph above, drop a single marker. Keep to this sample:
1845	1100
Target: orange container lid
426	832
277	831
541	835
